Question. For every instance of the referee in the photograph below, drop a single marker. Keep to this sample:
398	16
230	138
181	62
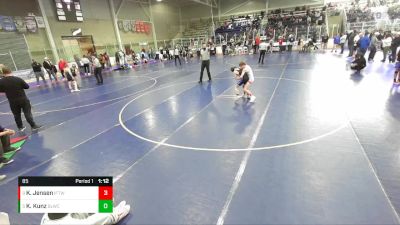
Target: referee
14	87
205	62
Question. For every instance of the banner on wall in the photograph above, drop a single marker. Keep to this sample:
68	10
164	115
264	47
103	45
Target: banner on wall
20	24
141	24
40	22
147	28
137	26
7	23
134	26
127	25
31	25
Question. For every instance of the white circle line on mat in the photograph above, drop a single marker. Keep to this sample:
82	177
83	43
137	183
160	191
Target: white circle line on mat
122	123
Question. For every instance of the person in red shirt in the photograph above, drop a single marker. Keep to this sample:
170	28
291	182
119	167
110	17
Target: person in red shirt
61	65
257	44
281	47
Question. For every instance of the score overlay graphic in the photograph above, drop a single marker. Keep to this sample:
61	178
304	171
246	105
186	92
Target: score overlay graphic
65	194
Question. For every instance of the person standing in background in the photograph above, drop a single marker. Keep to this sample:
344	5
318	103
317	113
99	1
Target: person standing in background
325	39
386	43
102	60
257	44
343	38
86	65
224	47
364	43
76	75
205	62
14	87
356	44
350	42
393	47
108	63
97	70
61	66
49	67
336	42
373	46
290	42
281	47
37	70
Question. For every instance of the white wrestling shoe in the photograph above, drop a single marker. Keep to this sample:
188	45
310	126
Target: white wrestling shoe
252	98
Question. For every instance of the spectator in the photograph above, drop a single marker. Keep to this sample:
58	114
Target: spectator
393	47
386	43
325	39
86	65
281	46
257	44
356	44
61	65
37	70
336	42
49	67
373	46
343	38
364	43
291	41
350	42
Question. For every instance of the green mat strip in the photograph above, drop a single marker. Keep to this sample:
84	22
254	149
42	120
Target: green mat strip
9	155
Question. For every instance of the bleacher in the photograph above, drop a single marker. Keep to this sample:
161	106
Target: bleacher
303	22
372	15
199	28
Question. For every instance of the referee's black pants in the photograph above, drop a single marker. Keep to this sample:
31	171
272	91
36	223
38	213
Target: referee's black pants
98	75
23	105
262	54
205	64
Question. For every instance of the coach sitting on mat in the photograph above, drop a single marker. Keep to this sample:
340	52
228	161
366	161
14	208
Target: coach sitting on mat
5	145
14	89
359	63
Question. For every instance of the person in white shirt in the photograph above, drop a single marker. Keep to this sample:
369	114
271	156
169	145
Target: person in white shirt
176	55
97	70
343	39
355	41
86	65
386	43
205	62
263	49
248	78
118	214
170	54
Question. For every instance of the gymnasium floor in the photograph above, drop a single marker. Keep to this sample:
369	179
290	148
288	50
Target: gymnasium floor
319	145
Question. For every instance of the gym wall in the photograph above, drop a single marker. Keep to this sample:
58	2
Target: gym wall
97	22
